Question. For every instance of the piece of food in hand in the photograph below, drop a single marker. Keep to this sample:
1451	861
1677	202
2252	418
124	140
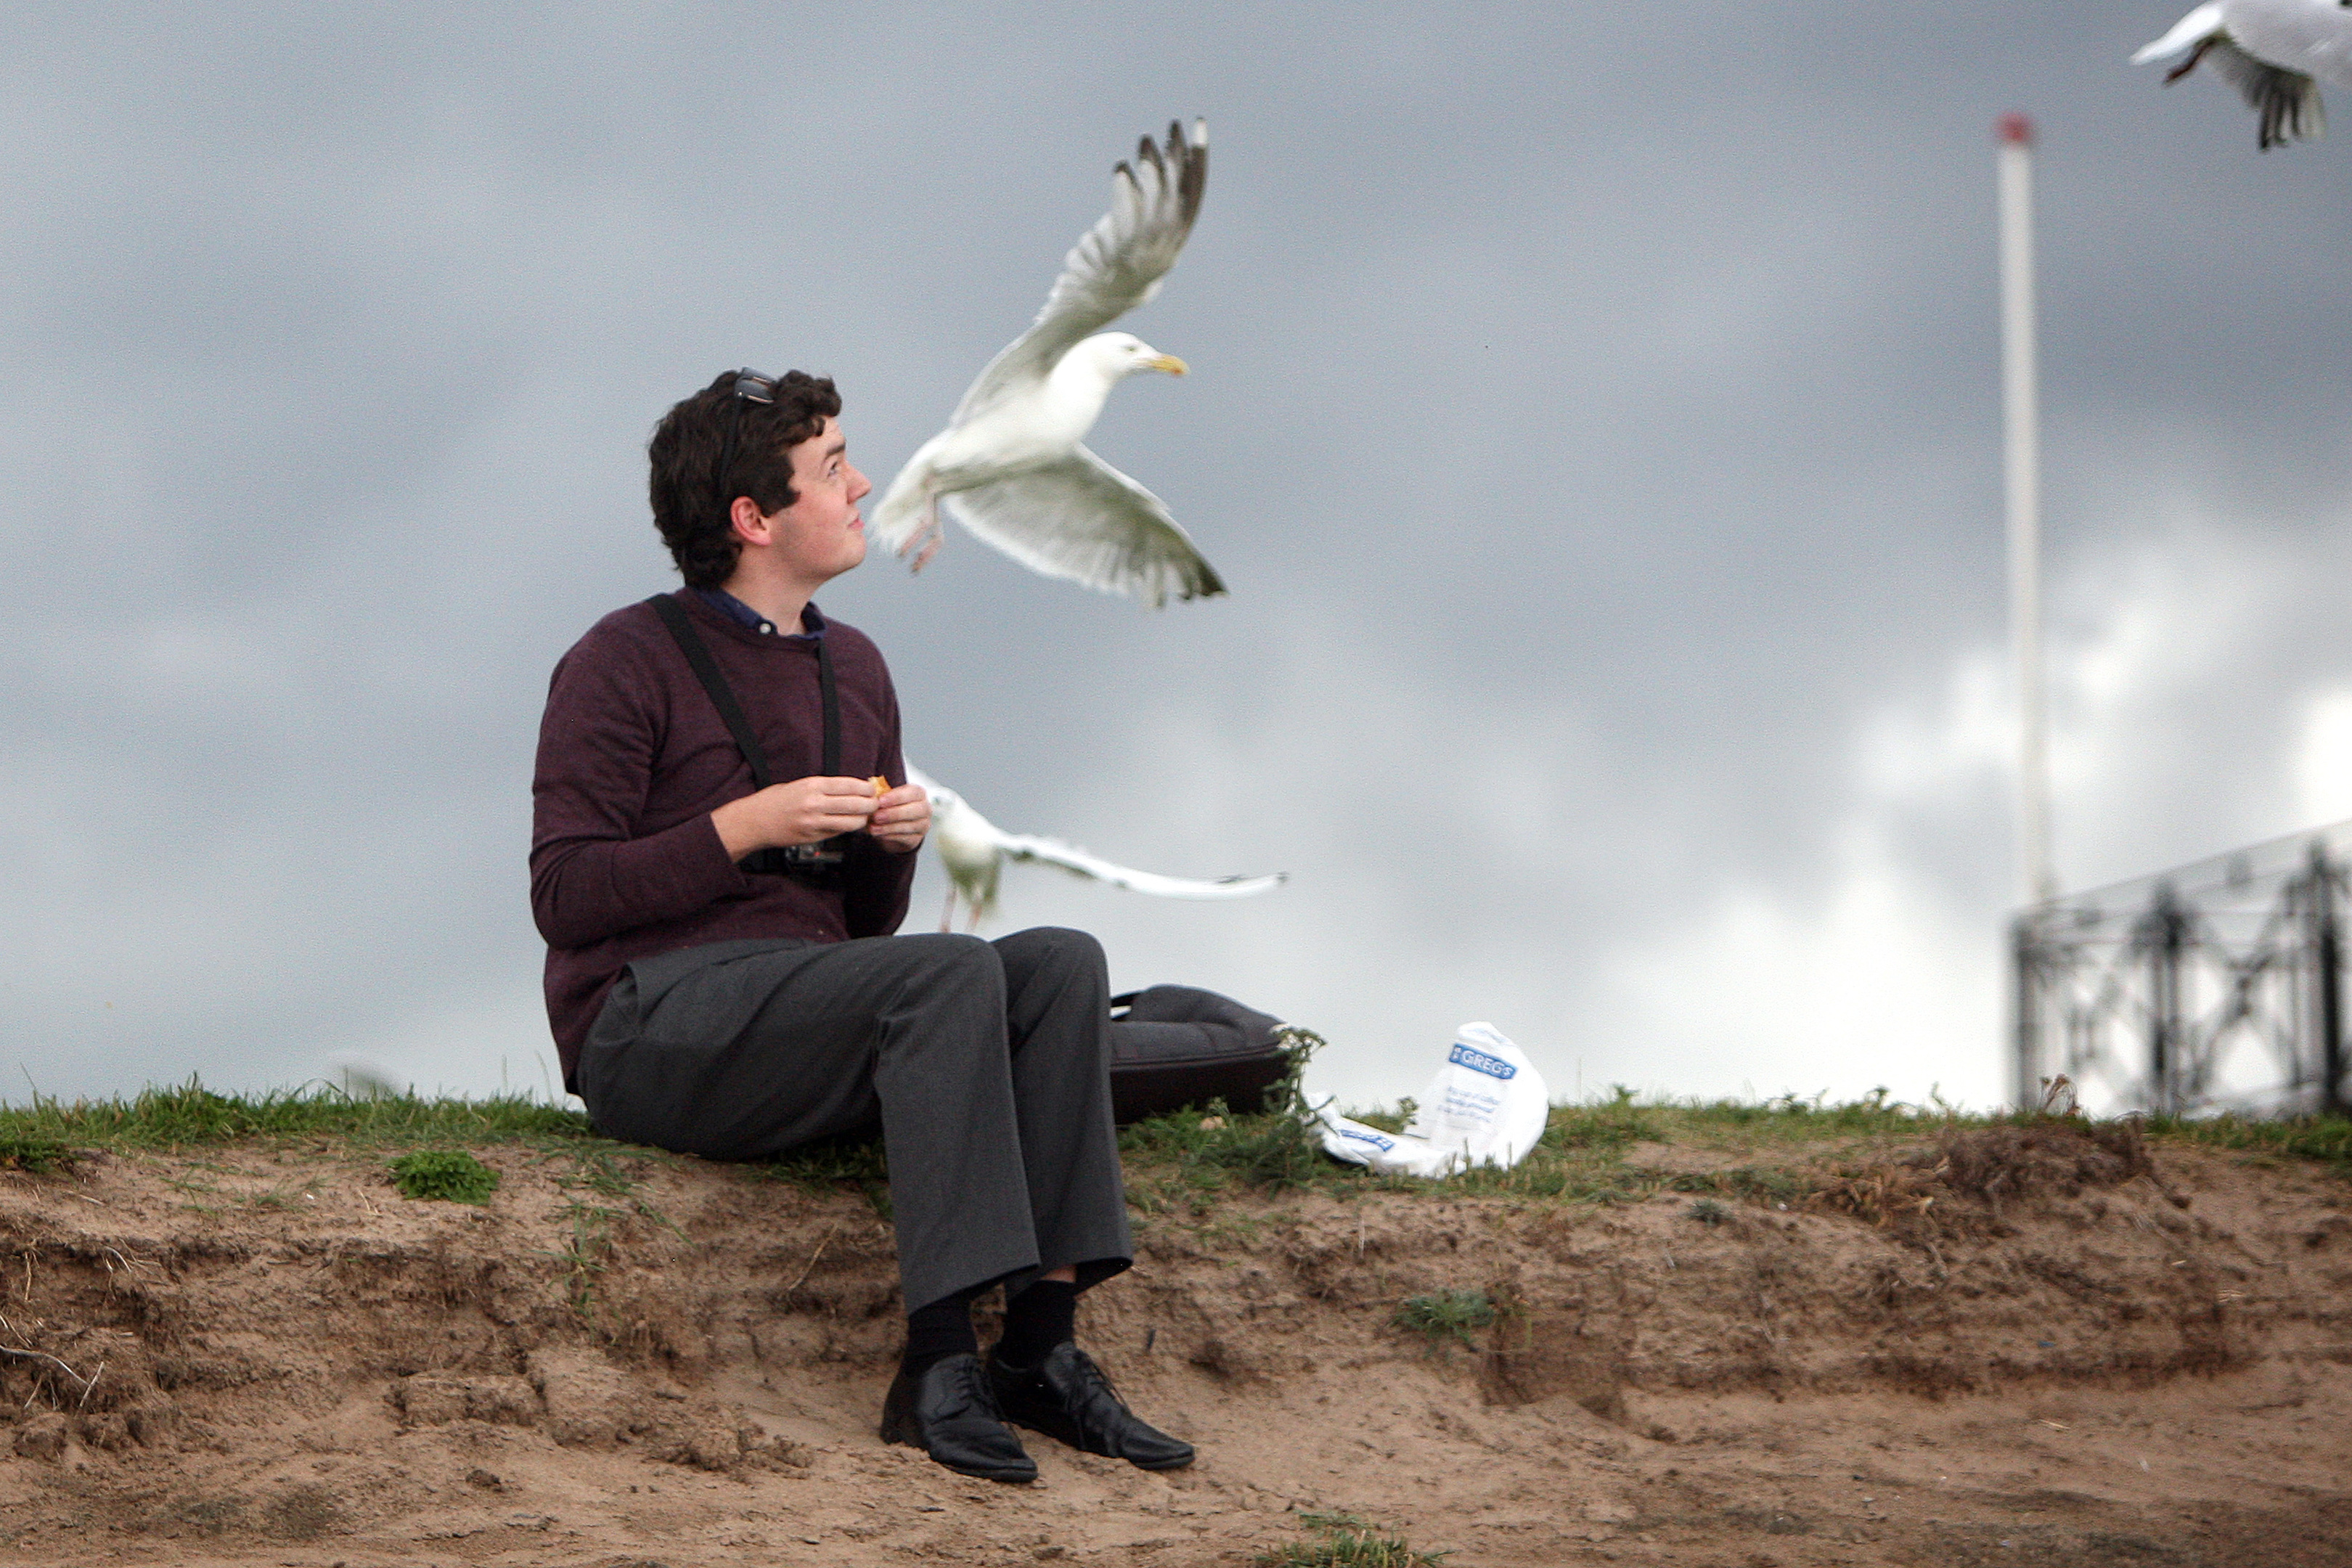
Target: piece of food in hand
881	785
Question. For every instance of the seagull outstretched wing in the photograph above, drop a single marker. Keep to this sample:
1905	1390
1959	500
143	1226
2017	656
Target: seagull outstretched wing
1070	857
1083	520
970	845
1115	266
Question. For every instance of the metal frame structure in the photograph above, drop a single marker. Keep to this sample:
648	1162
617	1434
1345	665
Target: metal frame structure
2217	985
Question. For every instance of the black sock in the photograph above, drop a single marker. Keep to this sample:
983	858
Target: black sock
938	1332
1042	1316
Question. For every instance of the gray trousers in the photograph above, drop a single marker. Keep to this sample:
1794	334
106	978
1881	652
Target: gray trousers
986	1066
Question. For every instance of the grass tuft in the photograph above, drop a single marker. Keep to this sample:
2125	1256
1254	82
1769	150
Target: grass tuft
1444	1316
36	1155
835	1163
1707	1211
450	1175
1611	1124
1208	1148
596	1224
1344	1541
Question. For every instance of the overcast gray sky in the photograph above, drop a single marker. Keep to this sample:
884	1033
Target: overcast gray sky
1593	410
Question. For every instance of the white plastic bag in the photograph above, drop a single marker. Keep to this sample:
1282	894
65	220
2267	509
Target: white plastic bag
1487	1101
1487	1106
1390	1153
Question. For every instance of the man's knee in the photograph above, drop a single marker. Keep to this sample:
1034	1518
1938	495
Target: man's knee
1057	948
933	957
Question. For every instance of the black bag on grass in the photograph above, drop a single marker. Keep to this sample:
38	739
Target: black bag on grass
1174	1045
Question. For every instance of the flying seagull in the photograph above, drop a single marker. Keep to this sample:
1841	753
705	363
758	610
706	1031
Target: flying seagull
1011	464
974	849
2271	51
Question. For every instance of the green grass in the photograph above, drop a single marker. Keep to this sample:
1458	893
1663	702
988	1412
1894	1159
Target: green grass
1443	1317
1185	1165
1186	1162
835	1165
2322	1138
1344	1541
450	1175
587	1252
34	1154
189	1115
1195	1154
1757	1183
1270	1152
1773	1154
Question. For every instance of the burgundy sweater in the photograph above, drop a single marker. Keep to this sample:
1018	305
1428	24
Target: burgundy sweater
633	758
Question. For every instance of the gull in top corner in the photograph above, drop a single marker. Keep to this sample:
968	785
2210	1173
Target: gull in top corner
2271	51
974	850
1011	464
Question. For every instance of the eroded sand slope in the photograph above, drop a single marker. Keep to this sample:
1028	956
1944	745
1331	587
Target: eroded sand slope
268	1356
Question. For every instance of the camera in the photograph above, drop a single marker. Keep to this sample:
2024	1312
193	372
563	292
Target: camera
819	865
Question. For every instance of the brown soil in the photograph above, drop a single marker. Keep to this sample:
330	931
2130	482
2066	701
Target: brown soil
268	1356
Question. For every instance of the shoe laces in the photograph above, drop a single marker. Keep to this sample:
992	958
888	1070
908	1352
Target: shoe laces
1089	1383
969	1381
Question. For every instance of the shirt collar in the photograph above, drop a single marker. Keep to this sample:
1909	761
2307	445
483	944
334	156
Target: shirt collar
743	615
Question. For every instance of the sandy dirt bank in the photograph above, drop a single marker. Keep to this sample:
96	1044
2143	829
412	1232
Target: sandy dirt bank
266	1355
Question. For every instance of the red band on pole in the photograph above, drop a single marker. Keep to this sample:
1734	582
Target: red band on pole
2014	128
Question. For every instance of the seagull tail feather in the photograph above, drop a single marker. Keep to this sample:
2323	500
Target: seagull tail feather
901	511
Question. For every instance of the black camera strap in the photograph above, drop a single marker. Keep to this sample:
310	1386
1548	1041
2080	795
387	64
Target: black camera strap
722	697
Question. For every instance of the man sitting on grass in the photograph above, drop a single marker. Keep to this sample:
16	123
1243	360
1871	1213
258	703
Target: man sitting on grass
720	974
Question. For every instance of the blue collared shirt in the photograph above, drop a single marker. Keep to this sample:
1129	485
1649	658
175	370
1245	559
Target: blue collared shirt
743	615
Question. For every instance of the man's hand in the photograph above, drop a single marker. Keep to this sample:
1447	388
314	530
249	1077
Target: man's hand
901	818
805	811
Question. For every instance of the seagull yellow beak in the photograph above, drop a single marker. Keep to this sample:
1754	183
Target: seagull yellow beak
1167	362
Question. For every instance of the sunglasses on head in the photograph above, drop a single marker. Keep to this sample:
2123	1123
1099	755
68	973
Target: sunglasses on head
750	387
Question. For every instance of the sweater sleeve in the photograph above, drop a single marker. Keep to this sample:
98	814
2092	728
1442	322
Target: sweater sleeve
589	878
875	894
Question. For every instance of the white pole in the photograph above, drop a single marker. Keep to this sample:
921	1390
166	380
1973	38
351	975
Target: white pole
2021	464
2020	421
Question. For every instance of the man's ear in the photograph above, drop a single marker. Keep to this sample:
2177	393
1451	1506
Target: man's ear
747	524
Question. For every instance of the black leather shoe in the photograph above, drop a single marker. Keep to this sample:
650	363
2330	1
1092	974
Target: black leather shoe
1067	1397
950	1414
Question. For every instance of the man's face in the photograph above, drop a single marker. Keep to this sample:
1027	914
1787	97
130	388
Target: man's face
820	535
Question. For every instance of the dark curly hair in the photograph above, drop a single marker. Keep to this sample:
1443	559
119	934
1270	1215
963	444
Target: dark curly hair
688	510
